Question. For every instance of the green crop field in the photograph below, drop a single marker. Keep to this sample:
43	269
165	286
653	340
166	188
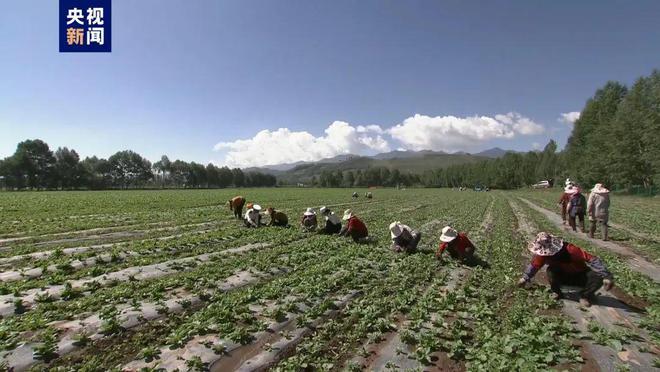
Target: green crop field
168	279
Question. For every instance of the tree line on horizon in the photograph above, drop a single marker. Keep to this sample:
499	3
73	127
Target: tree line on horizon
616	141
34	166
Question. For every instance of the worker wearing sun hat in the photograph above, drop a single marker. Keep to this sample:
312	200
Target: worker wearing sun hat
576	208
309	221
598	208
567	264
253	217
404	239
332	221
563	202
354	228
458	245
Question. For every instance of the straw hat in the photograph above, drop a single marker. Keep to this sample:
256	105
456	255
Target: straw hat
545	244
324	210
310	212
347	214
256	207
600	189
395	229
568	182
448	234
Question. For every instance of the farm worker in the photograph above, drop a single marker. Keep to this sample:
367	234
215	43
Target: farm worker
577	206
355	194
252	216
598	209
404	239
277	218
563	203
567	264
568	182
332	222
236	205
458	245
308	221
369	195
354	228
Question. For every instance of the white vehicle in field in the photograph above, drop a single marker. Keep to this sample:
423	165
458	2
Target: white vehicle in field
541	185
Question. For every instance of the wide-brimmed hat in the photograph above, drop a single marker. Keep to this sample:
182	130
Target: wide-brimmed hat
600	189
396	229
448	234
309	212
568	182
324	210
546	244
347	214
256	207
570	189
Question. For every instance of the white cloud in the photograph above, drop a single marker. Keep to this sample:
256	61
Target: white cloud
419	132
569	117
284	146
450	133
536	146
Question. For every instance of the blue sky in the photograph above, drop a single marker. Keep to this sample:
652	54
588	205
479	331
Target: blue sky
185	77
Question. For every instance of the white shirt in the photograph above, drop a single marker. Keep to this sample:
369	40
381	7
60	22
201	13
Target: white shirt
252	216
332	217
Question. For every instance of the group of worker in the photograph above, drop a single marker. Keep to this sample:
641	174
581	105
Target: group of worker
354	227
567	264
574	206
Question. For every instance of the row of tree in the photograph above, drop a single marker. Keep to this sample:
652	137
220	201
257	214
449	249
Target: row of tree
35	166
374	176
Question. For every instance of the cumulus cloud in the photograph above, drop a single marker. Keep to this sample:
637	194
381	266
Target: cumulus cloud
419	132
569	117
285	146
450	133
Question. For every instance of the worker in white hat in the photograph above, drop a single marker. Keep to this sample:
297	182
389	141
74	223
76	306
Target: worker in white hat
563	202
457	244
567	264
576	208
354	228
253	216
308	221
598	208
332	221
404	239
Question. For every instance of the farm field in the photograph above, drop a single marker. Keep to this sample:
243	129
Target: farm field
168	279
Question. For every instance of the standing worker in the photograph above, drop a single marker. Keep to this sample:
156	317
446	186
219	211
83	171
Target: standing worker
577	206
598	208
277	218
332	222
253	217
309	222
354	228
404	239
236	205
567	264
458	244
563	203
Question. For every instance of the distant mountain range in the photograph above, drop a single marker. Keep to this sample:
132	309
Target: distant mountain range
409	161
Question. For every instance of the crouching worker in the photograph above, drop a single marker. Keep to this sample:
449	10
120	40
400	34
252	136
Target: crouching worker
567	264
404	239
332	222
252	216
236	205
457	244
277	218
309	221
354	228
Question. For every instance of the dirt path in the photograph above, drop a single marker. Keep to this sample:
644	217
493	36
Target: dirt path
609	312
635	261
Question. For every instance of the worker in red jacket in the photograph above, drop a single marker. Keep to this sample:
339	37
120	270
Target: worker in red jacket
236	205
563	202
354	228
567	264
457	244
